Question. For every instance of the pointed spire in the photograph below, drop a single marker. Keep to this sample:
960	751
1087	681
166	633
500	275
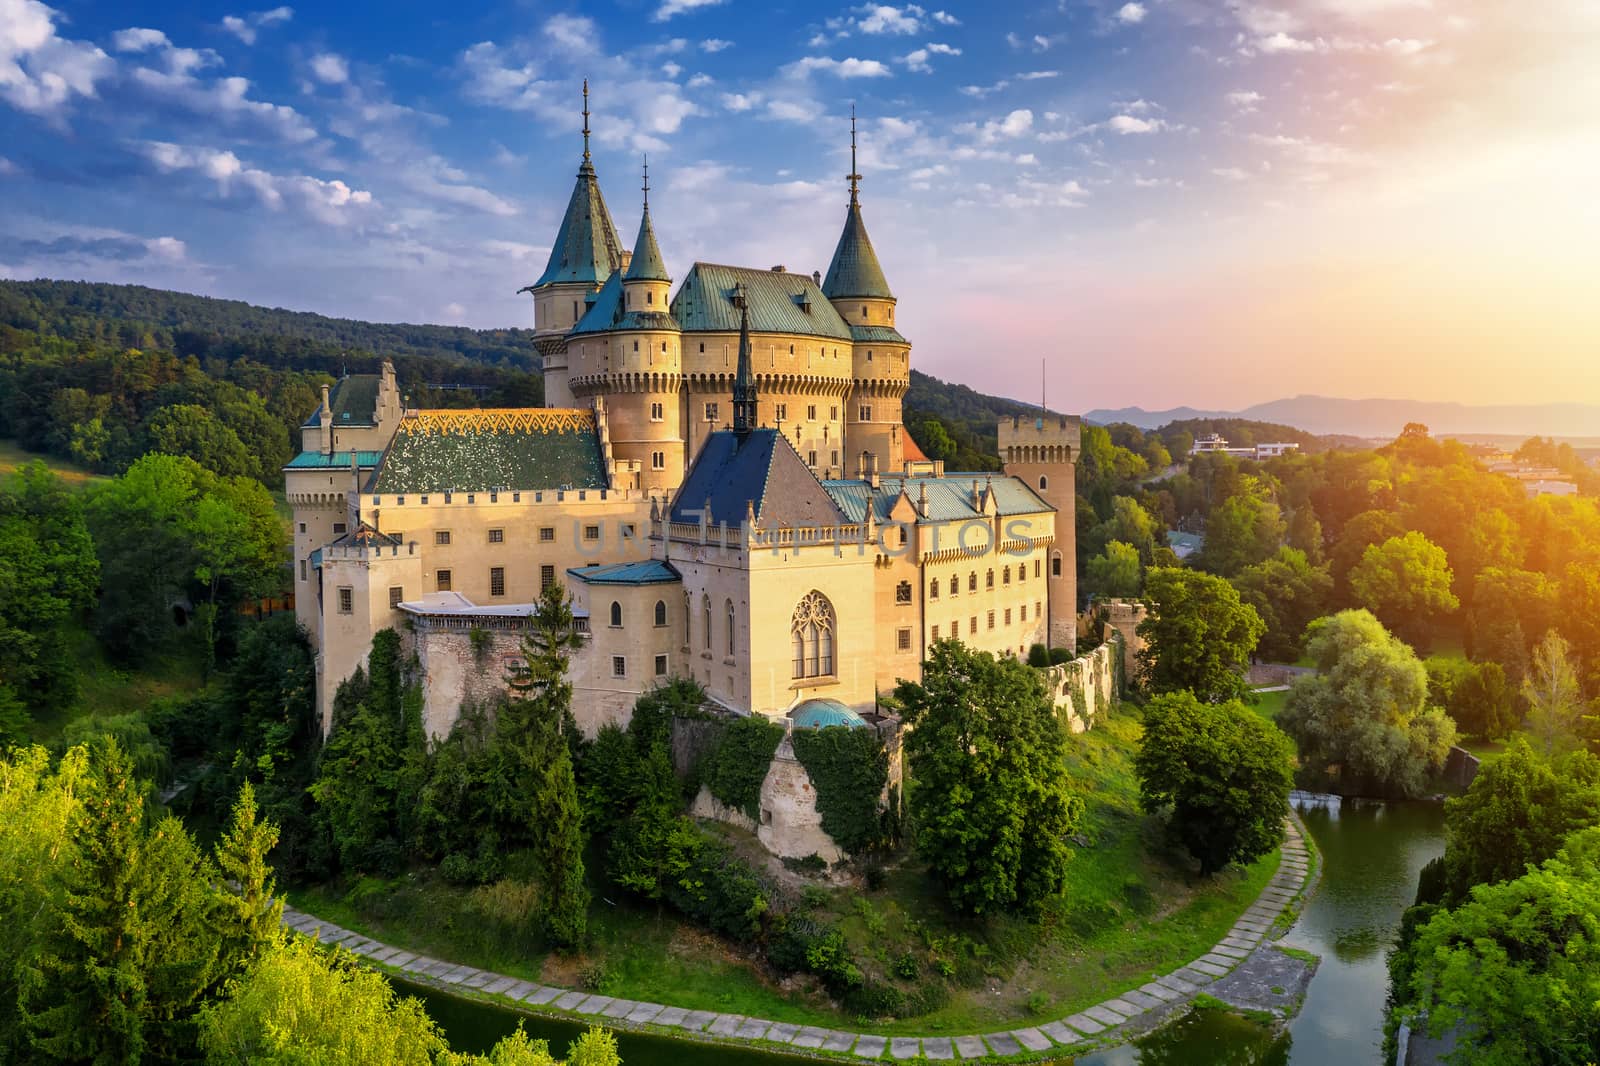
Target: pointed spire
744	382
647	264
854	270
586	247
586	121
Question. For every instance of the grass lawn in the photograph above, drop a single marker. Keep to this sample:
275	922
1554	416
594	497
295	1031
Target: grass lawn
11	457
1269	704
105	691
1131	910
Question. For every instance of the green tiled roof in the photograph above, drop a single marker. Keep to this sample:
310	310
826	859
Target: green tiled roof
605	313
949	497
336	461
644	572
500	448
855	270
353	401
780	302
881	334
586	246
646	264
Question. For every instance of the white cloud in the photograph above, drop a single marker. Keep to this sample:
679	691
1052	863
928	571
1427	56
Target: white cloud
245	27
137	39
1407	46
944	18
8	168
669	8
40	72
1281	42
671	69
843	68
917	60
1038	75
1038	42
1126	124
699	81
1306	150
330	69
980	91
1245	100
1131	13
791	111
492	78
1015	124
741	101
572	34
169	248
225	98
330	202
714	45
886	19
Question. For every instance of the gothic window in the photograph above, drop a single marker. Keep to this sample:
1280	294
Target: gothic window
732	629
812	630
902	592
705	618
661	612
688	621
616	615
1044	483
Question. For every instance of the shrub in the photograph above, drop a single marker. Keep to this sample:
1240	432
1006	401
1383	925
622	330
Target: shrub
734	771
457	869
873	999
1039	656
849	768
1060	655
906	967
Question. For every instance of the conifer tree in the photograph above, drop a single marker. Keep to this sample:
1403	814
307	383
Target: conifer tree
249	912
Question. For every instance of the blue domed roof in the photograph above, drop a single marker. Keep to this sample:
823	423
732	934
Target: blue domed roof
821	713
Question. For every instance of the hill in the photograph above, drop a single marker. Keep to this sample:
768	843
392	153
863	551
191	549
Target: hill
1384	418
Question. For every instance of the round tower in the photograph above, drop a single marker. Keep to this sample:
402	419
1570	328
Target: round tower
881	359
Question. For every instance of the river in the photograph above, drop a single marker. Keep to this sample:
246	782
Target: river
1371	854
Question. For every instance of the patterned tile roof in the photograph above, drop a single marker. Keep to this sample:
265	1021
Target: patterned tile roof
761	470
492	448
645	572
586	247
855	270
336	461
780	302
949	497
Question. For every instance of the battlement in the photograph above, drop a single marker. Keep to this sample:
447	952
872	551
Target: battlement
1050	438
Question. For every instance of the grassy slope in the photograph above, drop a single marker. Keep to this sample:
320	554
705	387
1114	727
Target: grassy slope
11	457
1132	910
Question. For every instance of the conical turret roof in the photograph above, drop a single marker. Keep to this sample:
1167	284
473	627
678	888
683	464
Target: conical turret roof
855	270
586	248
646	264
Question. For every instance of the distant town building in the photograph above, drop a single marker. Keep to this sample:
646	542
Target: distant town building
1536	480
1216	443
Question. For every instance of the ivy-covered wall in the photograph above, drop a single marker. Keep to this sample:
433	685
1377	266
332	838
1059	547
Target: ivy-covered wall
1084	689
733	772
849	769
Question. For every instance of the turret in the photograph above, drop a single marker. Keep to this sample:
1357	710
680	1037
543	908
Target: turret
646	285
586	252
855	282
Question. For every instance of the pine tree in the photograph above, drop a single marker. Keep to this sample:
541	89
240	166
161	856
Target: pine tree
249	912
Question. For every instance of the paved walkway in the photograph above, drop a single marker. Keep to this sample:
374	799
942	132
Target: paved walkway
1102	1023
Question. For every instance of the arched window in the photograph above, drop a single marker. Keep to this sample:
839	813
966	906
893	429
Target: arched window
902	592
1044	483
616	614
988	580
661	612
1005	576
732	629
933	590
972	581
812	630
1022	572
1055	565
705	615
955	584
688	620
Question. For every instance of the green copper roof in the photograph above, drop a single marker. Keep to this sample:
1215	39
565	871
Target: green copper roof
605	313
644	572
855	270
880	334
505	448
823	712
646	264
353	401
586	247
336	461
949	497
780	302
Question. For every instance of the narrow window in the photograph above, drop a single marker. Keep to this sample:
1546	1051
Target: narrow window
396	594
705	614
619	666
811	412
616	615
972	581
1024	610
902	592
732	628
657	412
302	527
1044	483
302	569
1008	616
1005	576
988	580
991	619
933	589
658	460
902	638
936	634
443	580
547	577
497	581
347	598
661	666
1055	566
955	584
811	458
494	497
661	613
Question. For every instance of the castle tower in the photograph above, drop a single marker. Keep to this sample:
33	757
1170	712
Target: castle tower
585	253
1043	453
882	370
644	377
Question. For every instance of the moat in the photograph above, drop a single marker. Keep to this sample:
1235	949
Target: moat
1371	853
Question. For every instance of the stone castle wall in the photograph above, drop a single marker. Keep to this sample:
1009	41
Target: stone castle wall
1084	689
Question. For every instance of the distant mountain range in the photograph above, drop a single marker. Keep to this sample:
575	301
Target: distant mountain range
1385	418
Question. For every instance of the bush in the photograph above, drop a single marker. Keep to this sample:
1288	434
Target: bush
829	958
1039	656
1060	655
873	999
734	771
906	967
849	768
457	869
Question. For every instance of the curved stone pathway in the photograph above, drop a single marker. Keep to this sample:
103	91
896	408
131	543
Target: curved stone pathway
1105	1023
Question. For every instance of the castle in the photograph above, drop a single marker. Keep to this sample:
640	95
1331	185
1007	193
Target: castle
720	478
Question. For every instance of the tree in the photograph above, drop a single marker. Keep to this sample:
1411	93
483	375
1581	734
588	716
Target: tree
1219	773
1287	592
1359	533
250	914
1517	813
193	431
1551	691
1482	701
1244	529
538	727
129	946
1365	710
1305	533
1405	581
989	794
1515	971
1115	574
1198	635
1509	610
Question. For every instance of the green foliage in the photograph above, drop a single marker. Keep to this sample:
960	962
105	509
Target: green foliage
653	712
1199	634
735	770
48	574
1366	708
1038	656
849	769
1288	593
1244	529
1114	575
250	914
989	795
1516	969
1477	696
1552	694
1221	775
1405	581
1517	813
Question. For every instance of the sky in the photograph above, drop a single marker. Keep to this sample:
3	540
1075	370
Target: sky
1164	202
